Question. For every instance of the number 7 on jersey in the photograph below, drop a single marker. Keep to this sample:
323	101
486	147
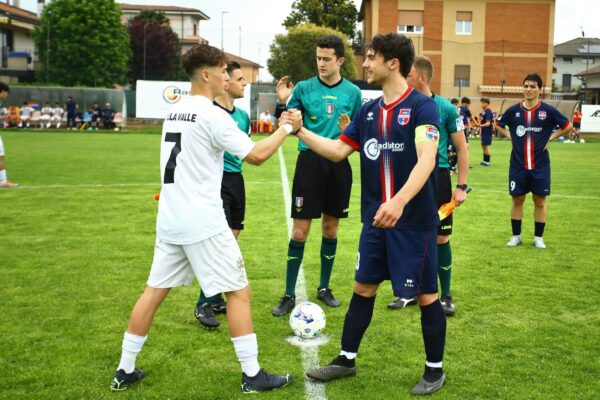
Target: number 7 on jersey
169	176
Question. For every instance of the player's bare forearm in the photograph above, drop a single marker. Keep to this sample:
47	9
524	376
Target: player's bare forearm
503	132
267	147
462	151
334	150
560	132
390	212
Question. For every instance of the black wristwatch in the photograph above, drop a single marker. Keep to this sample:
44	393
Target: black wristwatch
462	187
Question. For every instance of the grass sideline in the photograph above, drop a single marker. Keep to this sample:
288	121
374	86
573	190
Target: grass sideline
76	243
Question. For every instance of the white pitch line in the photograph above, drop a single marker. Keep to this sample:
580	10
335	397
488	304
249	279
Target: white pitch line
117	185
310	354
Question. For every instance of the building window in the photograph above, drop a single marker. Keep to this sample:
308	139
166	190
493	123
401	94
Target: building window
566	82
587	60
410	21
568	60
464	22
462	75
195	30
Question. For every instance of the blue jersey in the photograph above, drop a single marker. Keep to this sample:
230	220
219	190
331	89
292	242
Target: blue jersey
465	113
486	116
385	137
530	130
71	106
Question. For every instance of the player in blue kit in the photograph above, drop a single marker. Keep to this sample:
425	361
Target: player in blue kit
531	124
485	123
397	137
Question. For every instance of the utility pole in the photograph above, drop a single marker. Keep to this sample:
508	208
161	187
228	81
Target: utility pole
144	52
222	13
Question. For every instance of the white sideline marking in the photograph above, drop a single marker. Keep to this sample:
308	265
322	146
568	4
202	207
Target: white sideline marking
117	185
157	184
310	354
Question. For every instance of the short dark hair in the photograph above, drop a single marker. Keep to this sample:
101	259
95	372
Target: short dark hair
4	87
201	55
232	66
485	100
465	100
534	78
332	42
454	100
424	65
396	46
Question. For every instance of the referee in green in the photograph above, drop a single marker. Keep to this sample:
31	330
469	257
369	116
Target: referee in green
451	129
321	188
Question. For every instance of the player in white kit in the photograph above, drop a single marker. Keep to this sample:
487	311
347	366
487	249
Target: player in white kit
193	239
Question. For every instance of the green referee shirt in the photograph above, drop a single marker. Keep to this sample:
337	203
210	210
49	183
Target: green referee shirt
450	122
322	105
241	118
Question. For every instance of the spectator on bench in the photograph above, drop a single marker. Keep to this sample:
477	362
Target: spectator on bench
108	113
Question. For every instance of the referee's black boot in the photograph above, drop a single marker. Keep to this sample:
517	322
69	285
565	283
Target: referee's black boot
206	316
286	303
327	297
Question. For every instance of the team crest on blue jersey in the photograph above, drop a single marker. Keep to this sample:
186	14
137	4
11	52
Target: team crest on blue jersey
404	116
329	108
432	133
542	115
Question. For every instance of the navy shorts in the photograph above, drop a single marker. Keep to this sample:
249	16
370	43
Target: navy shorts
233	194
408	258
522	181
486	139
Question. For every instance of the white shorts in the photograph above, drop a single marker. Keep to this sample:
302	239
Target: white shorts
215	262
1	147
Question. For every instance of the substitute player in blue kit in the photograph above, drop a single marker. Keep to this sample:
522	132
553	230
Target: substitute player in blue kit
397	137
531	124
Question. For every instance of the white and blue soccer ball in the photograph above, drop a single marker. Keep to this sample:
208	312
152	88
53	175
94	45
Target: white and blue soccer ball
307	320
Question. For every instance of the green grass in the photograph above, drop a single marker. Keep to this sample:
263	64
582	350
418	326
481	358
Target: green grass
76	242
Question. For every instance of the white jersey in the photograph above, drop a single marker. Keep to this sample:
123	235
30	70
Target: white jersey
58	112
26	111
194	137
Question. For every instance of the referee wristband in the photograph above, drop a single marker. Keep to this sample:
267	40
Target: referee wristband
288	128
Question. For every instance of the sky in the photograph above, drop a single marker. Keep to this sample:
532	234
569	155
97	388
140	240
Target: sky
260	20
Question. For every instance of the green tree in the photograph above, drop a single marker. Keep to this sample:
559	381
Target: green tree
155	47
294	54
82	43
337	14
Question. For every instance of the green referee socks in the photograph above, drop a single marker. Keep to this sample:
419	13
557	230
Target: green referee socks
328	248
445	267
294	259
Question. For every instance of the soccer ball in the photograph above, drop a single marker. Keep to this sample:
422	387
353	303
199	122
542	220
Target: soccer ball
582	141
307	320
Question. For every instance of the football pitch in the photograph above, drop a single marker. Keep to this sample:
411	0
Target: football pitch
76	243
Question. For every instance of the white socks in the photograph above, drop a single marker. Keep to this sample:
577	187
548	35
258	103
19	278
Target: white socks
246	349
2	175
132	345
349	355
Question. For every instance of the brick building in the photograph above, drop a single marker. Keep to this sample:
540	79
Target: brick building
478	47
